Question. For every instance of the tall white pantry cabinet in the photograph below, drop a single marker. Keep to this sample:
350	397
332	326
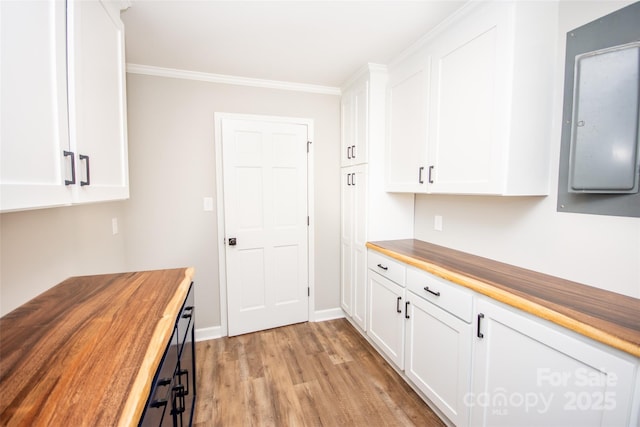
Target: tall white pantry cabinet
64	131
367	211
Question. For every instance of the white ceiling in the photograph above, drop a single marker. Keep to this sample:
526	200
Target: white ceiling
302	41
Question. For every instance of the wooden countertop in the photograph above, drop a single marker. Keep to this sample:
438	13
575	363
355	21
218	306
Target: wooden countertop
84	353
604	316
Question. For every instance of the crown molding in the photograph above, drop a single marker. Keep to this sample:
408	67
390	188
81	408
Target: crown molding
231	80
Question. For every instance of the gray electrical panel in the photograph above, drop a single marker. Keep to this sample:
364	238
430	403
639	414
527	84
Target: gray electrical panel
599	171
604	132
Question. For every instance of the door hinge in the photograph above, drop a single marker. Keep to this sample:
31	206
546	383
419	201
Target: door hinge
307	220
308	144
308	291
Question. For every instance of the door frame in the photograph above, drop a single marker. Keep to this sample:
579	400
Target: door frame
222	261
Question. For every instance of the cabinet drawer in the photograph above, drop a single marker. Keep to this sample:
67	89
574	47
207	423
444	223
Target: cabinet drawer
446	295
387	267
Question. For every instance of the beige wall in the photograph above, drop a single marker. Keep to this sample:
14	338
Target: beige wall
41	248
602	251
172	167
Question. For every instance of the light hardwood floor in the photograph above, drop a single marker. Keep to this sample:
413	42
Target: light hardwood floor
309	374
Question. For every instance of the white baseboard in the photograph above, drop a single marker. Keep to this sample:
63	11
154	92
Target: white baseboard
330	314
210	333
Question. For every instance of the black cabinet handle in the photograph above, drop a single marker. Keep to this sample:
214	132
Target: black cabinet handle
72	181
181	373
436	293
420	175
159	403
385	268
430	174
480	334
348	176
187	313
353	178
88	181
353	151
178	400
398	309
164	381
348	152
406	310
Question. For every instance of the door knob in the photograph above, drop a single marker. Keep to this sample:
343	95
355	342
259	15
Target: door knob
232	241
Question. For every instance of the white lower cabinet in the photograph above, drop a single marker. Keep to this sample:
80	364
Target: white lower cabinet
387	316
529	372
482	363
438	344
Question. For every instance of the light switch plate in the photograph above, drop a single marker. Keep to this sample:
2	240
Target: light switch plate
208	203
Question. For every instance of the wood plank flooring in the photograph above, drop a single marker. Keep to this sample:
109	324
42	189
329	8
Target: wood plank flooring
309	374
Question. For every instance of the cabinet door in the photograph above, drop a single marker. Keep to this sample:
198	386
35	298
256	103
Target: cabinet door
353	252
97	102
359	228
355	120
438	357
347	126
346	241
34	105
406	143
359	151
527	371
386	317
469	103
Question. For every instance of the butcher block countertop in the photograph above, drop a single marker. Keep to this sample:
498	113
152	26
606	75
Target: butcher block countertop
604	316
84	353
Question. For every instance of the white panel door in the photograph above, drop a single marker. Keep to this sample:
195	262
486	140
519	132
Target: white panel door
265	207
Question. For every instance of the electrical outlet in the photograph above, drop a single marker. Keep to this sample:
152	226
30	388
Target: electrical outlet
437	222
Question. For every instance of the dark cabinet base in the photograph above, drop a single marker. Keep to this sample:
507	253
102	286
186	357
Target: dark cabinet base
172	398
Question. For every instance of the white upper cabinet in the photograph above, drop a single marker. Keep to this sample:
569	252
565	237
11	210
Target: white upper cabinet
487	101
355	119
34	105
59	57
97	100
406	148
